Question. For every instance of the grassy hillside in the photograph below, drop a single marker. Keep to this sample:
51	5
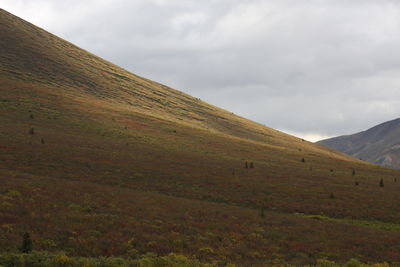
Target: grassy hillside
96	161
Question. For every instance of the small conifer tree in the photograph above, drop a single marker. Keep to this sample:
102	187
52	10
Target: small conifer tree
251	165
332	196
381	184
246	165
262	212
27	243
32	131
303	160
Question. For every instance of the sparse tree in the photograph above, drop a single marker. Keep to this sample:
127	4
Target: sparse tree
32	131
251	165
353	172
381	184
262	212
27	243
356	183
246	165
303	160
42	141
31	116
332	196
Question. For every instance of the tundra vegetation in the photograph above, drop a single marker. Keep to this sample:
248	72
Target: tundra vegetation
106	166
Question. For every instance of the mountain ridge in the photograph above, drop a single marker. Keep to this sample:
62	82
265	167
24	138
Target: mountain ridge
379	144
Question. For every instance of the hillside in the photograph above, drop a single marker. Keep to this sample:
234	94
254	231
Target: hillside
379	145
97	161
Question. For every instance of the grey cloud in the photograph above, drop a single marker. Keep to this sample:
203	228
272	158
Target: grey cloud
324	67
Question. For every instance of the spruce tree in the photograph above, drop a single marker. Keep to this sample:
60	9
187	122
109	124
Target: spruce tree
262	212
27	243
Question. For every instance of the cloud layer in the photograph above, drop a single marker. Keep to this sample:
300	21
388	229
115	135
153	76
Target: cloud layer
313	68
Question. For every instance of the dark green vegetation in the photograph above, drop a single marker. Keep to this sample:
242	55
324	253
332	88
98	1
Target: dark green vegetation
96	161
379	144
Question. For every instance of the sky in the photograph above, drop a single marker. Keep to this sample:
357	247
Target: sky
311	68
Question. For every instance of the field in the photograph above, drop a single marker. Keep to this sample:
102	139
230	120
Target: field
96	161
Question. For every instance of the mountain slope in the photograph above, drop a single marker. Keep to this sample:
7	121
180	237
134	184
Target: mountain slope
34	55
380	144
98	161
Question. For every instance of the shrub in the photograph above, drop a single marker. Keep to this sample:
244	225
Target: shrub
13	193
353	263
206	250
326	263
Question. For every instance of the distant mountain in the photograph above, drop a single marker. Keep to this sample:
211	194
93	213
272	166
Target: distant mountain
380	144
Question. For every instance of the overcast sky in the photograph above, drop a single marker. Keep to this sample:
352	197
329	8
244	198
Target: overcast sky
312	68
